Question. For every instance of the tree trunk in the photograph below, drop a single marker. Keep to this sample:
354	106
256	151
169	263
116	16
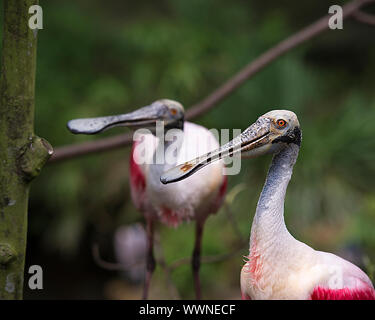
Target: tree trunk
22	154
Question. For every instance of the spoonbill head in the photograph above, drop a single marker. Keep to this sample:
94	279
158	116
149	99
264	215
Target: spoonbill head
268	135
169	111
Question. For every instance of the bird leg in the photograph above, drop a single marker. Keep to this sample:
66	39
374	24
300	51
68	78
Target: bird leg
150	260
196	260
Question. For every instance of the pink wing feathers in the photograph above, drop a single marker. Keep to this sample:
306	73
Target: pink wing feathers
357	285
321	293
137	181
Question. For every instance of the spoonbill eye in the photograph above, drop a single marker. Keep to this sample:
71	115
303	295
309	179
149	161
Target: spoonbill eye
281	123
173	112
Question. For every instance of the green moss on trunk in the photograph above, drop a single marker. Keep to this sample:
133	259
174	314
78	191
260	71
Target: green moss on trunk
17	150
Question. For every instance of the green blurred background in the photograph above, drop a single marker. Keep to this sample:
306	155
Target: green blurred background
108	57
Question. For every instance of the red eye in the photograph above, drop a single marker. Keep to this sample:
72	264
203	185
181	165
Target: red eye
281	123
173	111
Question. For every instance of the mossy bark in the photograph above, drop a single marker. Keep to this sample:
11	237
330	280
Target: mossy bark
22	154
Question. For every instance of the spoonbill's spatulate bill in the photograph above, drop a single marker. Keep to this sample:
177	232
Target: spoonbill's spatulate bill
279	266
192	199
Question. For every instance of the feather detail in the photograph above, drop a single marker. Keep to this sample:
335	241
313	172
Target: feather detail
322	293
137	180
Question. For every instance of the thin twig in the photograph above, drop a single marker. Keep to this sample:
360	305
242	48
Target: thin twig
112	266
220	93
209	259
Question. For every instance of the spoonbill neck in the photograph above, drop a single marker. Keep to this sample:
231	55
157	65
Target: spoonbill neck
269	232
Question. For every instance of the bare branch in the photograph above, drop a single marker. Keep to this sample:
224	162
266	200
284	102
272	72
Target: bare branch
101	145
224	90
365	18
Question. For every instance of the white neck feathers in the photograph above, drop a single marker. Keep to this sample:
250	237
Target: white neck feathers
269	233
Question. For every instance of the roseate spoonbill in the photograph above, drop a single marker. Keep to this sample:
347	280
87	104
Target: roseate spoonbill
130	245
278	265
193	199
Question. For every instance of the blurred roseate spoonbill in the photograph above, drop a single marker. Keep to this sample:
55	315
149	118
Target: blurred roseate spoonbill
130	245
279	266
193	199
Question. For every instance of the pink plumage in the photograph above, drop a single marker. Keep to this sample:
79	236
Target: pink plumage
321	293
137	180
